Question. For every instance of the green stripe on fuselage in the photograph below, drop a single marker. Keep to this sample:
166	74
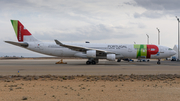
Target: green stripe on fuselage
15	25
141	50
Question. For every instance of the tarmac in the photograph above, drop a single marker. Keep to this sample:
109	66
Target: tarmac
79	67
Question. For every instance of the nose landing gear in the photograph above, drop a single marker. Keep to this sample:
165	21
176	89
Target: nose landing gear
159	61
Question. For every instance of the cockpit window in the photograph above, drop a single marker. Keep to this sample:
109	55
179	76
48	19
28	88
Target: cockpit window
169	49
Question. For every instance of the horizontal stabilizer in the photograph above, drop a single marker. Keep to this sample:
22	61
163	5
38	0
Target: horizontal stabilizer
21	44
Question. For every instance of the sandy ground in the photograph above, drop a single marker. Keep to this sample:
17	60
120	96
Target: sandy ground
79	90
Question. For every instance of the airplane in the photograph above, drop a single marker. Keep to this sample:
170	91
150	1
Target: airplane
93	52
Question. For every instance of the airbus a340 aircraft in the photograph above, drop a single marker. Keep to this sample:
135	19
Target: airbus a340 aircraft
93	52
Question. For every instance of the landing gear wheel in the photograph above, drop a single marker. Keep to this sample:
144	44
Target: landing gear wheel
158	62
93	62
88	62
119	60
96	60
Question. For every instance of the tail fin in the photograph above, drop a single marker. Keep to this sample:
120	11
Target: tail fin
21	32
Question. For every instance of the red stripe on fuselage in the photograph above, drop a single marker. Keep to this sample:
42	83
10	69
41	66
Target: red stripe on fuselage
152	50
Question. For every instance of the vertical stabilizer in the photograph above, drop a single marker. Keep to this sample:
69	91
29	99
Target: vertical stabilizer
21	32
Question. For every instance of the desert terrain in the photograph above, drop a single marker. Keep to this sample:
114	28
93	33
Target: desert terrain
163	87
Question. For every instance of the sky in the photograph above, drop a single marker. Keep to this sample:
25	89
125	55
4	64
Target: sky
96	21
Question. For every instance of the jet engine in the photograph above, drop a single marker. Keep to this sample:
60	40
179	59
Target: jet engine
91	53
111	57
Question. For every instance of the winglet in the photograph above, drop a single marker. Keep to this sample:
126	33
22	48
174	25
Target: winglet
58	43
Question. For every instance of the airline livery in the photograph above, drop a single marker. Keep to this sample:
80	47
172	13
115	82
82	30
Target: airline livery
93	52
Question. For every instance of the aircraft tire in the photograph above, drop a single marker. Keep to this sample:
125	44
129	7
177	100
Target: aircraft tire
88	62
119	60
93	62
158	62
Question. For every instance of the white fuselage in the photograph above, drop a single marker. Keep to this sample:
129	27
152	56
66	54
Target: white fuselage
121	50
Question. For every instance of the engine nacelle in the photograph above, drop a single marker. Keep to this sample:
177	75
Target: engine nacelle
111	57
91	53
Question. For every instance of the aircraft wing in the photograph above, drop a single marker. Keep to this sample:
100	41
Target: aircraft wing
81	49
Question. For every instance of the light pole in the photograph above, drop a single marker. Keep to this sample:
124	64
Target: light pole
178	37
158	36
147	38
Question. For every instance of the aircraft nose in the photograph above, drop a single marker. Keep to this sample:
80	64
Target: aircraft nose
173	52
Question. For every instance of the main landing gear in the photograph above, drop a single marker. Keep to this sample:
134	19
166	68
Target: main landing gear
159	61
118	60
92	61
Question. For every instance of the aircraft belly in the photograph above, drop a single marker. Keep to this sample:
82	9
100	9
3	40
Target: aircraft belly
62	52
68	52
